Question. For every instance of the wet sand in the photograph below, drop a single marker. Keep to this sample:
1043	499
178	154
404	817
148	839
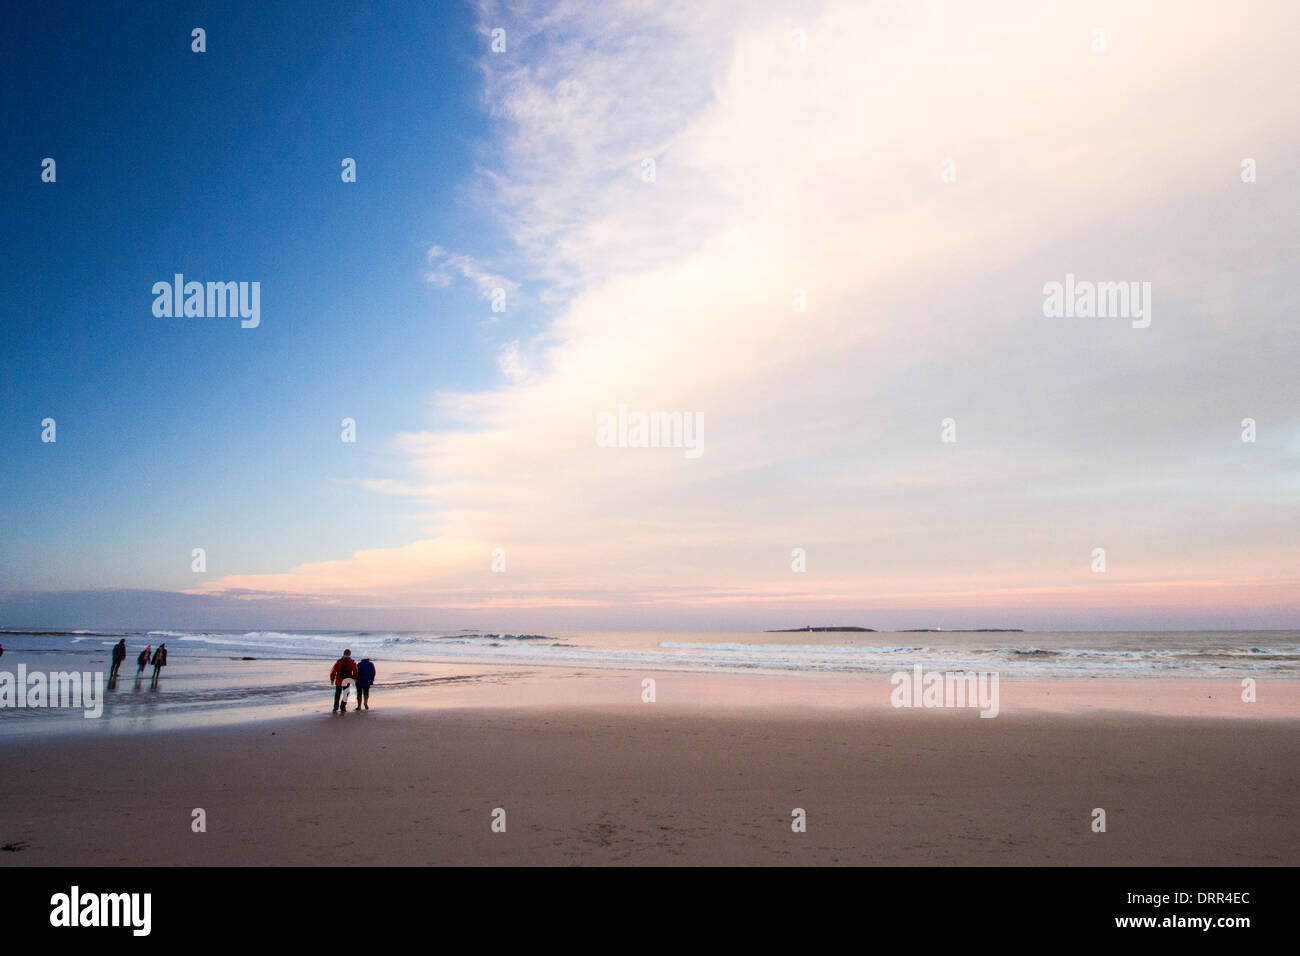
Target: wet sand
709	773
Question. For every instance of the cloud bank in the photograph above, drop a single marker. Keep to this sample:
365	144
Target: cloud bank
826	229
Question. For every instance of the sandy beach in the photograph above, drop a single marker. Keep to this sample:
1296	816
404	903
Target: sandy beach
709	773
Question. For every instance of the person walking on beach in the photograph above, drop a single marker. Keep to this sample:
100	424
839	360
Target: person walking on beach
345	668
365	677
119	655
143	659
159	661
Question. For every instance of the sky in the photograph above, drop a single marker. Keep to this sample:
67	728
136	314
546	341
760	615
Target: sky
823	231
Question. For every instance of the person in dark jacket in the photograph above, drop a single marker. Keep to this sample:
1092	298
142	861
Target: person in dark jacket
345	668
365	677
119	655
159	661
143	659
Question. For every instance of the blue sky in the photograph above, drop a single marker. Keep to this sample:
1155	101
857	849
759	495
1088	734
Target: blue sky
821	228
226	165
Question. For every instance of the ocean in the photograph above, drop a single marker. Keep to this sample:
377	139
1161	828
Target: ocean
221	675
1016	654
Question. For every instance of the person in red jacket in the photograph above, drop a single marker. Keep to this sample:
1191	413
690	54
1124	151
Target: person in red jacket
345	668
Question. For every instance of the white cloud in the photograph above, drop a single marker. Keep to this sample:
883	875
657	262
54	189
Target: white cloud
444	266
821	171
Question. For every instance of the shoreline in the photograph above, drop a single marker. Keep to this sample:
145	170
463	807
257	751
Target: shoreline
297	688
437	686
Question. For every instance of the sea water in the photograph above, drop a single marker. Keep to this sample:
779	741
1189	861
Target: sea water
211	672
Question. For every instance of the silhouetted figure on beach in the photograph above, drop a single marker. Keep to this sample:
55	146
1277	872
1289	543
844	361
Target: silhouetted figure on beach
143	659
365	677
344	669
159	662
119	655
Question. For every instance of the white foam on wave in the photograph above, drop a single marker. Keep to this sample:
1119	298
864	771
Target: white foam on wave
1078	653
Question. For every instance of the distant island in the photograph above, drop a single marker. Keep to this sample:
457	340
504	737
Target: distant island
909	630
963	630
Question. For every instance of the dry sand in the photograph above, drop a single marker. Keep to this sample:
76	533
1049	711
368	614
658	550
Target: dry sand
708	776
